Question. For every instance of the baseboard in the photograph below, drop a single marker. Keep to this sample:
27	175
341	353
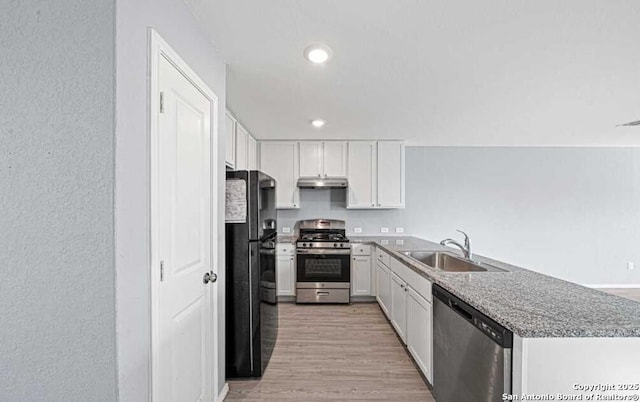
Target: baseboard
614	286
223	393
286	299
363	299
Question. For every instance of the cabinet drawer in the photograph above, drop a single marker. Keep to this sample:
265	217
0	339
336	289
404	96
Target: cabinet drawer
360	249
285	249
382	256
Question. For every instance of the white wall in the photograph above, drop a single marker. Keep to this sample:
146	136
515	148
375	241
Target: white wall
573	213
57	291
172	19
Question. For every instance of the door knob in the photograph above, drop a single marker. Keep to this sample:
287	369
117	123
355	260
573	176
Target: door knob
210	277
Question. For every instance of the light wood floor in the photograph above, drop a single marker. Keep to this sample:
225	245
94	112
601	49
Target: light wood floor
633	294
335	352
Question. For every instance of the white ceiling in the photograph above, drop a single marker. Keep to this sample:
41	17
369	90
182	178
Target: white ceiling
433	72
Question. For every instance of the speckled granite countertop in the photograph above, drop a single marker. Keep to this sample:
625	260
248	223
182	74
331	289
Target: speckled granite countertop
530	304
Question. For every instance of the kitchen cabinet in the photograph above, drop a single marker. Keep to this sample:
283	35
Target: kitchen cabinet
399	306
280	160
420	332
376	174
230	139
390	174
285	270
361	174
252	154
408	306
383	290
323	158
242	142
362	277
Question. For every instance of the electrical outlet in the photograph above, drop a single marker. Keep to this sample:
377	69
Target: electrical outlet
286	229
357	230
384	230
399	230
630	265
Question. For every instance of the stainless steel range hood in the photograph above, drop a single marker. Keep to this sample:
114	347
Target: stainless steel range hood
320	183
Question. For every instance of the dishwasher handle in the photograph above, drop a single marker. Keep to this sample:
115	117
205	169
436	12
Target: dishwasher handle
460	310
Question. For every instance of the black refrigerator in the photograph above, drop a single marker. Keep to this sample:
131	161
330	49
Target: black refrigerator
251	303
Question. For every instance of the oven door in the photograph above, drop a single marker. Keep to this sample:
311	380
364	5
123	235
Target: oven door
320	265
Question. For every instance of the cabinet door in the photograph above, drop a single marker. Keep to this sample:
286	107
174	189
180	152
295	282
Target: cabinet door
310	159
230	138
361	173
399	306
279	159
420	332
285	275
390	174
382	291
252	154
334	159
242	138
361	275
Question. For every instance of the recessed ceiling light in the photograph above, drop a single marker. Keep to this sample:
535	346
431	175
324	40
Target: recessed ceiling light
317	123
318	53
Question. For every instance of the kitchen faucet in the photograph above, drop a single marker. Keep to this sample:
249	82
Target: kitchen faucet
466	249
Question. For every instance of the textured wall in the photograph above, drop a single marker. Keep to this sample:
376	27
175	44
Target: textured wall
573	213
174	22
57	292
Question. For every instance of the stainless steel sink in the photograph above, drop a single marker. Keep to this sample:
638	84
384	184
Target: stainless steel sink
449	262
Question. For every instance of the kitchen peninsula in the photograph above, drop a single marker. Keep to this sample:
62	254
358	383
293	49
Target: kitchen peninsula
556	324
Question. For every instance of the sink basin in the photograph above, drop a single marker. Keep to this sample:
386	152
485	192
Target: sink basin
449	262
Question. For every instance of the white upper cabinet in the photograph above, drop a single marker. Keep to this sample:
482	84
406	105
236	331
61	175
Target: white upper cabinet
242	148
323	158
311	159
230	137
376	174
361	174
334	158
242	138
390	174
280	160
252	154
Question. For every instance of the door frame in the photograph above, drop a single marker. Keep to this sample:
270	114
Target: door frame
158	48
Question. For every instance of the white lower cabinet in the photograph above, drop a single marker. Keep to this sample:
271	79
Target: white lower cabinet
285	270
383	290
361	275
405	297
399	306
420	332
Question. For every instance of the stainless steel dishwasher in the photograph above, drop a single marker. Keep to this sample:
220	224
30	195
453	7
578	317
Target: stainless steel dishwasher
471	352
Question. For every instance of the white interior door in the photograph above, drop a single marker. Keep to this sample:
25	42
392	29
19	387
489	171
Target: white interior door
183	345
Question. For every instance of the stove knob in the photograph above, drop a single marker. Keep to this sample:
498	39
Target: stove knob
304	244
335	244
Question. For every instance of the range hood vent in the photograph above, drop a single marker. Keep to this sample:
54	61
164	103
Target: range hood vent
320	183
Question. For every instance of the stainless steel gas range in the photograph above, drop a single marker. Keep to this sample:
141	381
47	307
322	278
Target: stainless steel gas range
323	263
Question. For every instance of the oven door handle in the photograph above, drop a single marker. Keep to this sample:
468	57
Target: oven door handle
332	251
